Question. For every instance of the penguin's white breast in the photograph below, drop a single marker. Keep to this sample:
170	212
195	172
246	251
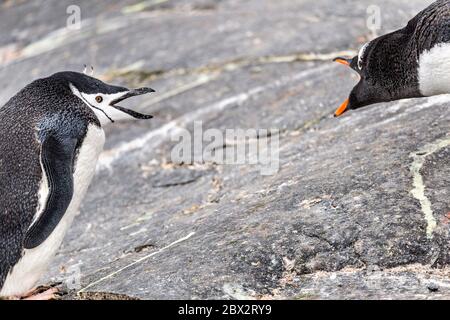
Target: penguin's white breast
434	70
34	262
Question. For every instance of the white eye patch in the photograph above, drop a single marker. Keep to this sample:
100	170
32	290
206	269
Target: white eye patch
361	55
104	112
106	98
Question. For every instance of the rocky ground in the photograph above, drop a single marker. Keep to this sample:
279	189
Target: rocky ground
358	208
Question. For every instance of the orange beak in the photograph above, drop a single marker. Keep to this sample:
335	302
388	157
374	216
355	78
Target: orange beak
343	61
342	108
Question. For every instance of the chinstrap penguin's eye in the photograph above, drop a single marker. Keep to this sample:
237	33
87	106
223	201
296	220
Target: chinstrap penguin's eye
99	99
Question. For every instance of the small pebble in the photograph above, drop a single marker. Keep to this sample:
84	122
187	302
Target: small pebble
433	287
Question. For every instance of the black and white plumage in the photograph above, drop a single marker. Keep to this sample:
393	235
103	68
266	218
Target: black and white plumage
51	137
409	63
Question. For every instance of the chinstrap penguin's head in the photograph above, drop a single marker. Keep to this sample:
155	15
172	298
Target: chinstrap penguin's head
103	98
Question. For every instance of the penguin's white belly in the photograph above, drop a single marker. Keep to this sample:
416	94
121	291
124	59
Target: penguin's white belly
34	262
434	70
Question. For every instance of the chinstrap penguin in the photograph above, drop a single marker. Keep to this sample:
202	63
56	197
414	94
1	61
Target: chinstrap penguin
51	138
409	63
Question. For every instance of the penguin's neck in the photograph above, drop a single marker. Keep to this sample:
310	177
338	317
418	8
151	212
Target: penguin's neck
434	70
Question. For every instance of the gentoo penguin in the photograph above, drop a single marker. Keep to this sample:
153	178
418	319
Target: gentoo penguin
51	137
408	63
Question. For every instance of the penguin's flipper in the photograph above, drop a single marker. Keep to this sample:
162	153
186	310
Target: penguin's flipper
57	157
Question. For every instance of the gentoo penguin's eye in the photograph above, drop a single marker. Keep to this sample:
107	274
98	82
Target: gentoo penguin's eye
361	55
99	99
360	64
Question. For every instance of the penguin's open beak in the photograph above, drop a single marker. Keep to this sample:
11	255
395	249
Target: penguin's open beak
345	105
129	94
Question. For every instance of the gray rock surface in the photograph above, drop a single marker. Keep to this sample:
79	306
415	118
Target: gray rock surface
358	209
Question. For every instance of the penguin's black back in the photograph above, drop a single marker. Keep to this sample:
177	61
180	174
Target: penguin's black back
46	105
430	27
